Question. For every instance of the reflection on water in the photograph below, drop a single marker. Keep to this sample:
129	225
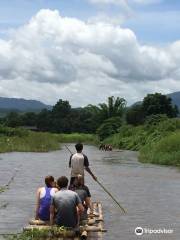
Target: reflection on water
150	193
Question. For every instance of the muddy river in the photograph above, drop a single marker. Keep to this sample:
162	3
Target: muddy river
150	193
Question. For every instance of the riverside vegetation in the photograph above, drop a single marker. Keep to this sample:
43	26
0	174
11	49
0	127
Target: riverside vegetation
158	140
38	234
21	140
151	127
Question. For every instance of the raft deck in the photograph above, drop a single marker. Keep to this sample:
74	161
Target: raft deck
92	229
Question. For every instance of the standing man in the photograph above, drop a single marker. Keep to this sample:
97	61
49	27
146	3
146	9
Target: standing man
78	162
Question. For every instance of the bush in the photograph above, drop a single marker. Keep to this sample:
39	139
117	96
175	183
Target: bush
154	120
166	151
6	131
77	137
158	142
109	127
17	139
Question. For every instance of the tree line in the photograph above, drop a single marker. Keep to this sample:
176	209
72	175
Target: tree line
104	119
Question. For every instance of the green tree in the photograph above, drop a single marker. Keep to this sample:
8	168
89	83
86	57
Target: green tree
135	115
81	120
114	108
159	104
93	117
13	119
60	117
44	120
61	109
29	119
109	127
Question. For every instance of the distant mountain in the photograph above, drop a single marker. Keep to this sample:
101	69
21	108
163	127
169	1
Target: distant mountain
175	98
20	104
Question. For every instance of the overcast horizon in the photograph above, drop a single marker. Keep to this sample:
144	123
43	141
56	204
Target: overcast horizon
86	50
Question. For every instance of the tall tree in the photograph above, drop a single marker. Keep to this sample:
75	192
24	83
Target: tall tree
13	119
60	117
158	104
135	115
114	108
109	127
29	119
44	120
61	109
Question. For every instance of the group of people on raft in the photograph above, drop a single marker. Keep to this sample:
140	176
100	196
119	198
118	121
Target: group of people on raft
105	147
66	204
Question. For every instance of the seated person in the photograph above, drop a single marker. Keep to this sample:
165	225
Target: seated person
67	204
81	179
84	194
43	199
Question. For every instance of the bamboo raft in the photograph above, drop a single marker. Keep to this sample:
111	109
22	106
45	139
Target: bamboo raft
91	229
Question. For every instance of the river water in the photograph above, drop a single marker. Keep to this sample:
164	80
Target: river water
150	193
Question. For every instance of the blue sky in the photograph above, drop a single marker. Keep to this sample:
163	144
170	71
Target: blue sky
158	22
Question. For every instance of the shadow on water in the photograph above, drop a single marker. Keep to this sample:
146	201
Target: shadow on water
150	193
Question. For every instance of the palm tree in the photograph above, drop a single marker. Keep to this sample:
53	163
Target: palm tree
114	108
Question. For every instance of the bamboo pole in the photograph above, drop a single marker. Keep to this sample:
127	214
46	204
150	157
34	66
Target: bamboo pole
123	210
100	184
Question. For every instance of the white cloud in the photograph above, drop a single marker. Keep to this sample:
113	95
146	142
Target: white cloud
55	57
125	3
116	2
146	2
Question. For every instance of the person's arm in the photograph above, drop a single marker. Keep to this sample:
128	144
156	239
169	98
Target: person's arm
37	204
90	172
80	208
86	166
89	204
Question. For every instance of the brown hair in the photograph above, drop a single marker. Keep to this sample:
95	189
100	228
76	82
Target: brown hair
48	180
62	182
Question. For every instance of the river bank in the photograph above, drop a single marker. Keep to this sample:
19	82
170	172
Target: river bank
20	140
157	142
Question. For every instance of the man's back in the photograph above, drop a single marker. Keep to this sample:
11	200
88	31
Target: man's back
77	163
66	201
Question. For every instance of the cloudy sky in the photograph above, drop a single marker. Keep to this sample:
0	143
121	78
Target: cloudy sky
86	50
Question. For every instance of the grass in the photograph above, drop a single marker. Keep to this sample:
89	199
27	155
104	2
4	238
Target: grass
20	140
77	137
157	142
42	234
32	142
164	152
128	138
